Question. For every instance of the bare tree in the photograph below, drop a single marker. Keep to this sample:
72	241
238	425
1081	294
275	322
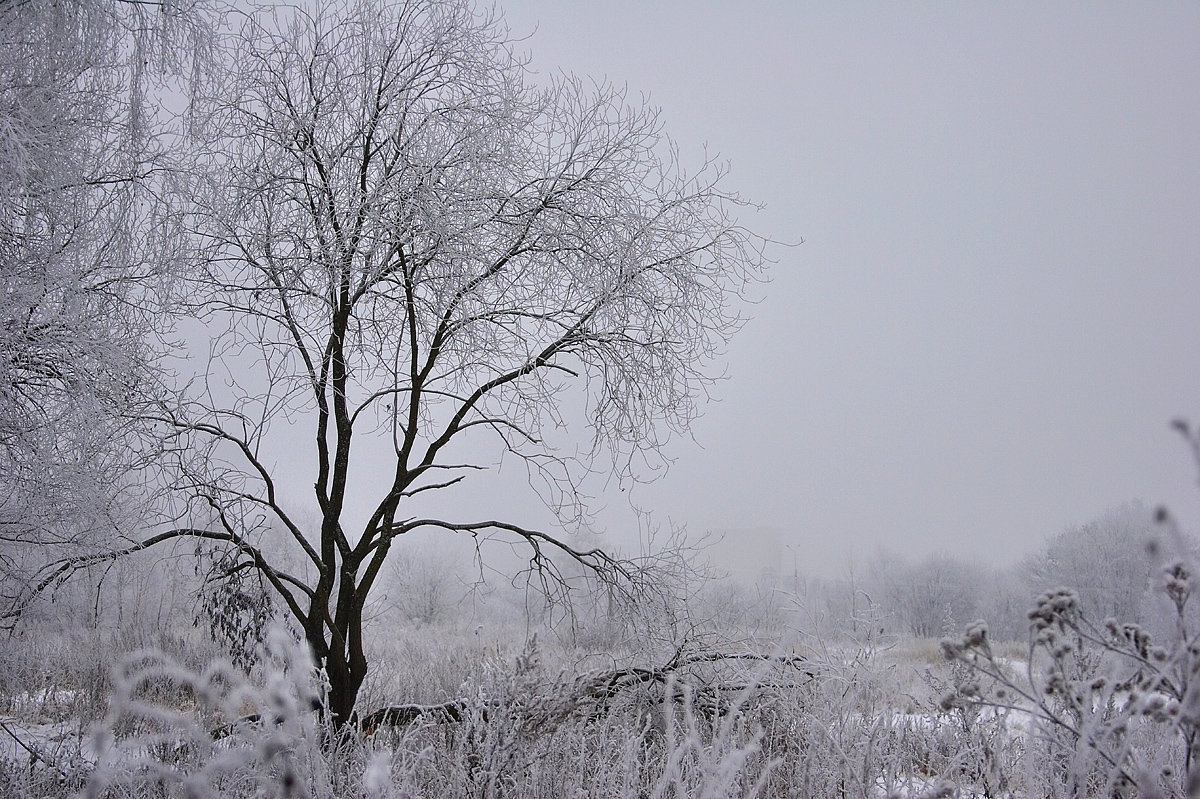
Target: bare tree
932	596
425	582
398	238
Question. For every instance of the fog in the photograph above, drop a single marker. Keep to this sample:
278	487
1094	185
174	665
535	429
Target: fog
992	318
978	329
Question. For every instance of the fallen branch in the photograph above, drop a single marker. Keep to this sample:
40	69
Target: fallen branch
599	687
398	715
34	754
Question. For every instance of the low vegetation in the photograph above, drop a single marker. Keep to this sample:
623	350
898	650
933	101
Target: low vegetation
774	697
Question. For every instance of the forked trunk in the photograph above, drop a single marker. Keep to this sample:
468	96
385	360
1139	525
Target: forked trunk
344	679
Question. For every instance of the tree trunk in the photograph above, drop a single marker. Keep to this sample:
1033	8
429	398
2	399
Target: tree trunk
343	694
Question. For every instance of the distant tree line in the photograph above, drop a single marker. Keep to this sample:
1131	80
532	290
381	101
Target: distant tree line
1109	561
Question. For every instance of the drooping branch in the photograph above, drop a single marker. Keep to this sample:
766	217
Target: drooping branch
599	562
57	571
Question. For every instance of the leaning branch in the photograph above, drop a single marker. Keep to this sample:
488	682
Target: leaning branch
597	559
216	431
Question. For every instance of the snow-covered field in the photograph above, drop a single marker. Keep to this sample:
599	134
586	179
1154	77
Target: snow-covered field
780	714
849	720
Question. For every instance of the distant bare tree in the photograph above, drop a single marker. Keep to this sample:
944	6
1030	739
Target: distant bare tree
1004	600
425	582
1105	560
931	597
397	238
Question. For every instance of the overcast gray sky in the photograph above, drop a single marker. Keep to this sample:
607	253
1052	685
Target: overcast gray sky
996	310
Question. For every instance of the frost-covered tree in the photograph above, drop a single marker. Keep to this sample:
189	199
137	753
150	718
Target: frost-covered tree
1004	600
79	149
398	242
